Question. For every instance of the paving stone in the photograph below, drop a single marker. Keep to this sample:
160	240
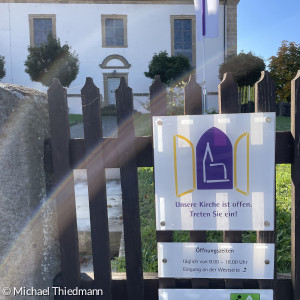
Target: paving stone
114	209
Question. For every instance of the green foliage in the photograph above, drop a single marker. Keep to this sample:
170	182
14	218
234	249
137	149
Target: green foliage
283	218
175	99
2	69
284	67
51	60
245	68
118	264
211	111
169	68
244	94
147	219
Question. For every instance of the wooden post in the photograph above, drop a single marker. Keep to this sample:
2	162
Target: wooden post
265	93
192	97
130	193
228	95
229	103
96	187
295	238
193	106
158	98
158	106
64	186
265	102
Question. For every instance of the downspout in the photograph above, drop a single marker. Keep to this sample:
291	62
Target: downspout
225	29
10	45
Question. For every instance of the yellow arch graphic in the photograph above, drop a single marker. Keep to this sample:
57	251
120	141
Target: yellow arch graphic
246	134
175	165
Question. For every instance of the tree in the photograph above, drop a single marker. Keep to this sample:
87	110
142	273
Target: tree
245	68
284	67
170	68
51	60
2	69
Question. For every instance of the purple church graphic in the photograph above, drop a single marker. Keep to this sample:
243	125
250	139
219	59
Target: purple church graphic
214	161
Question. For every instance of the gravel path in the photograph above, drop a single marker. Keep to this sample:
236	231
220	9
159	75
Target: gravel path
109	125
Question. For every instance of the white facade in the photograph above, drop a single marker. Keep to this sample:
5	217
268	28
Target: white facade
148	32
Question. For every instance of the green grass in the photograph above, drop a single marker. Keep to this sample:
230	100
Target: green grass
147	219
283	217
142	124
283	123
74	119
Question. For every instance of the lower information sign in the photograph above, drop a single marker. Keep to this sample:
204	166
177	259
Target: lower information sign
216	260
168	294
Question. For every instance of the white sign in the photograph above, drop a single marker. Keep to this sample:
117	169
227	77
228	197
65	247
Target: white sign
194	294
215	172
216	260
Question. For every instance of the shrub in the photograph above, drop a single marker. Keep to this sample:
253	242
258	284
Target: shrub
169	68
51	60
245	68
2	69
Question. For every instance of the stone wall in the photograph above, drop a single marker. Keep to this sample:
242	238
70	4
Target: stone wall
231	17
29	252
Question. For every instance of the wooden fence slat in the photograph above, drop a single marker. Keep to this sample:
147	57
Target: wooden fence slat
158	107
229	103
158	98
295	173
228	95
64	184
265	102
284	147
193	106
192	97
96	187
265	93
130	193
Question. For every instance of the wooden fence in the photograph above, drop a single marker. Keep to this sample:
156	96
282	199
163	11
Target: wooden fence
127	152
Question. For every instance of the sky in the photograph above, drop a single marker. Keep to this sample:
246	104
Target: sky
264	24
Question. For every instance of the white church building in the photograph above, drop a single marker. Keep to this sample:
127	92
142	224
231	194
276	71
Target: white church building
115	38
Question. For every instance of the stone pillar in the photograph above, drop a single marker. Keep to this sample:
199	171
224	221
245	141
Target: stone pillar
231	24
29	251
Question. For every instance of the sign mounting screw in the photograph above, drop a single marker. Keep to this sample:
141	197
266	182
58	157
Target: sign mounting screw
267	261
268	119
164	260
159	122
267	223
163	223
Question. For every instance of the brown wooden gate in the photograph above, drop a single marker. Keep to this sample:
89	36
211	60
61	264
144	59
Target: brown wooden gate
127	152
